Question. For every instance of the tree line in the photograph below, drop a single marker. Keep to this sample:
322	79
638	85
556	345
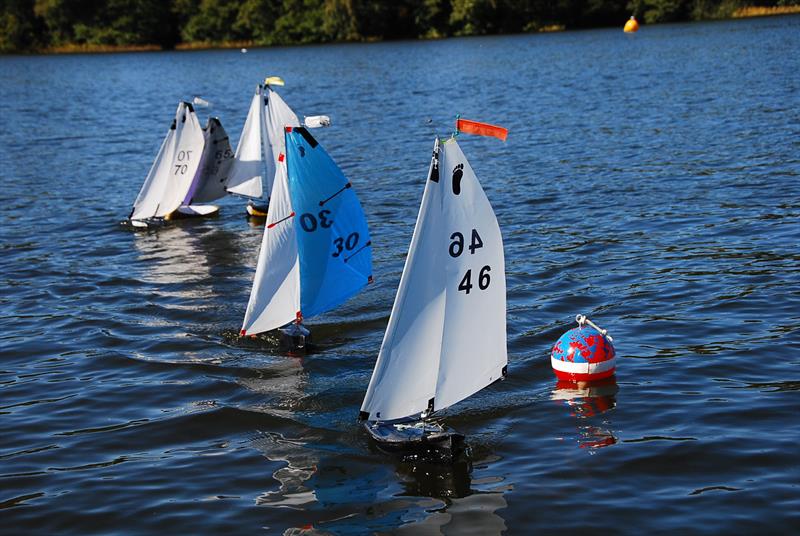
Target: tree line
41	25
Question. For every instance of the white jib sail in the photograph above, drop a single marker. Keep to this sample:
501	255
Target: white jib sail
446	337
275	296
174	168
248	165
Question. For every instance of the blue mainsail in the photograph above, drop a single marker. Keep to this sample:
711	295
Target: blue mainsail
333	240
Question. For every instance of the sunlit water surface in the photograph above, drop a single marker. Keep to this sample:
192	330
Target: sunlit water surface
649	181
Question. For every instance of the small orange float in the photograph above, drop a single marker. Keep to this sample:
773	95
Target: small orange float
632	25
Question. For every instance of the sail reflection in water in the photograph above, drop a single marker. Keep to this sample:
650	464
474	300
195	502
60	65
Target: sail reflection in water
301	464
589	403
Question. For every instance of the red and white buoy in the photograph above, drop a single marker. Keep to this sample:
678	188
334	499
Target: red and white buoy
585	353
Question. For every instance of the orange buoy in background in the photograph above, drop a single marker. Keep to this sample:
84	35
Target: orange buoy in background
631	26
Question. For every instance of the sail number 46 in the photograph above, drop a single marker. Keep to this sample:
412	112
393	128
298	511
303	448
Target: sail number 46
457	244
457	248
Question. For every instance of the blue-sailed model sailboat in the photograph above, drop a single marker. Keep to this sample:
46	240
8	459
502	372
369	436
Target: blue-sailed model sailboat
316	249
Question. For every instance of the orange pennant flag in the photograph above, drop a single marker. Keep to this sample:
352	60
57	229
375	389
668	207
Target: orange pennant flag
481	129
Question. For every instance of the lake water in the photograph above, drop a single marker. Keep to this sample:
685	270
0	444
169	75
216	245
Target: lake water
649	181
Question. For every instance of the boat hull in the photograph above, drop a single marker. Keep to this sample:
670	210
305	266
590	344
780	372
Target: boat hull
257	211
194	211
430	441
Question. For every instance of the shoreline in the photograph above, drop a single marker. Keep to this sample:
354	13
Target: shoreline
741	13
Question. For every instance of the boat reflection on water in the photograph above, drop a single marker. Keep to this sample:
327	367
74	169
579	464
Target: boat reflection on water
428	479
190	261
283	382
467	504
589	403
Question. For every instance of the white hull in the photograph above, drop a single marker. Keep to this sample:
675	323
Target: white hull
196	211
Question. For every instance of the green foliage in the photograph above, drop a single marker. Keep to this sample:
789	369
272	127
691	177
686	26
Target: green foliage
18	26
34	24
213	21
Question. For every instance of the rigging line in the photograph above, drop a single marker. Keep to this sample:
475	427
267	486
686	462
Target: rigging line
356	252
273	224
345	187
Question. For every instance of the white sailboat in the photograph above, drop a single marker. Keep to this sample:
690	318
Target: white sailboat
168	189
261	145
316	248
446	337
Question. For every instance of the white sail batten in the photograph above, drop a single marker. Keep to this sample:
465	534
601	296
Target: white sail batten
404	379
446	337
174	168
248	166
275	296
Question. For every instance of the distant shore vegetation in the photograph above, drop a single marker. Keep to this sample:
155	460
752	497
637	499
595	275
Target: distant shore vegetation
41	26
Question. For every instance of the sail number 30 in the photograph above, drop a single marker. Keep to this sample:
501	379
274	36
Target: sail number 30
310	223
457	248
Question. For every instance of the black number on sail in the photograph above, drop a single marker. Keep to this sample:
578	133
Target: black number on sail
475	242
181	168
483	277
342	244
466	283
184	155
457	244
323	220
483	280
309	222
352	241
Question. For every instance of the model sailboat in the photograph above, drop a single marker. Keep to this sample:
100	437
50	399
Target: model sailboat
186	171
316	249
261	144
446	337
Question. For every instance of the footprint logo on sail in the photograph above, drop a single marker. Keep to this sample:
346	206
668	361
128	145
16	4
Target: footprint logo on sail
458	172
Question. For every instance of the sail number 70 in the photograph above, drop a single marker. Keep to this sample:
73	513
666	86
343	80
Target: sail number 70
183	156
457	248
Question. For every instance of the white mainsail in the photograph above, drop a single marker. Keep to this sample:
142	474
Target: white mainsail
212	175
174	168
446	337
260	145
247	167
